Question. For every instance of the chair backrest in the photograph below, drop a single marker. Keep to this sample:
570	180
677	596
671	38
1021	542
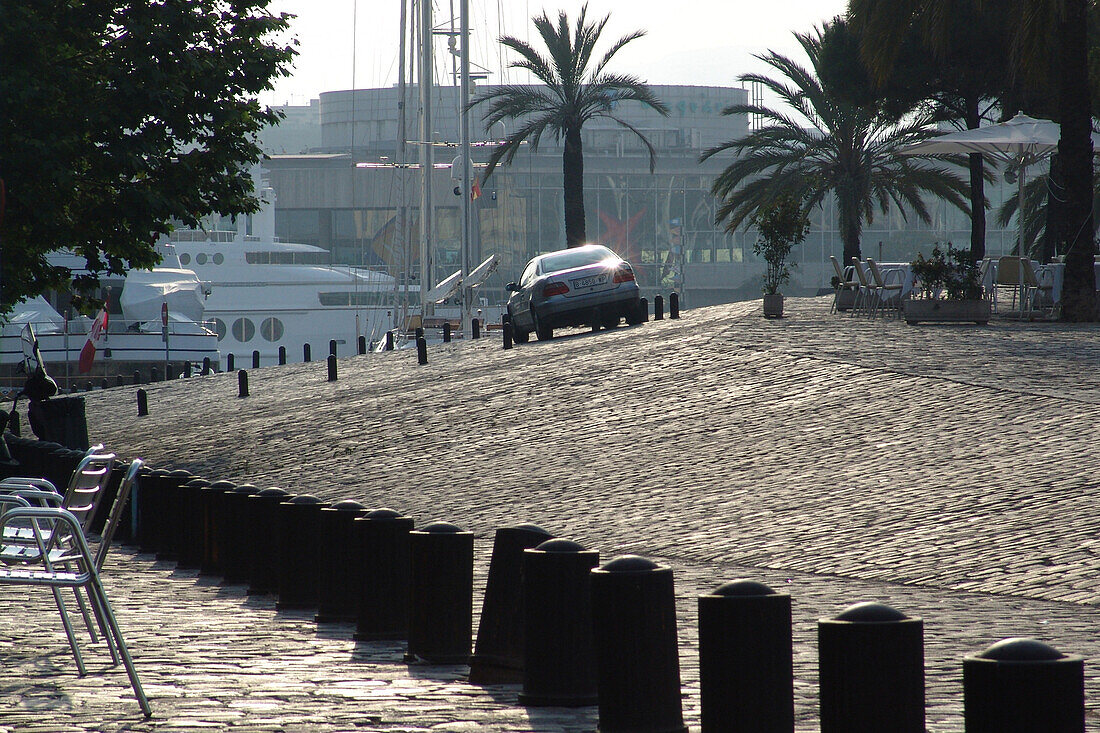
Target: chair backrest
86	489
1008	270
1031	278
838	268
860	275
121	498
876	273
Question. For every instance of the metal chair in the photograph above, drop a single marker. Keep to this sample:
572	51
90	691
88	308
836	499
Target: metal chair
73	567
867	291
883	287
843	284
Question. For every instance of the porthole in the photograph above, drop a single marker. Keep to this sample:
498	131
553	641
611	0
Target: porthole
200	258
185	259
243	330
219	258
219	327
271	329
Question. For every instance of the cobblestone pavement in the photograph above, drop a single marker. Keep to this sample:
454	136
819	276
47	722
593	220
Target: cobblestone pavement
946	470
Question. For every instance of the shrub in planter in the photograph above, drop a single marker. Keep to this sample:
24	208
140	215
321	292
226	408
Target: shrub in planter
950	289
782	224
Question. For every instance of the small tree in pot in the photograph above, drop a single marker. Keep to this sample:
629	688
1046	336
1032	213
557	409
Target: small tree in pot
782	224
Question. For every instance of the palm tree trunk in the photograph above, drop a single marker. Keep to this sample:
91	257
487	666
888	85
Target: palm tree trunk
977	187
572	170
851	225
1075	148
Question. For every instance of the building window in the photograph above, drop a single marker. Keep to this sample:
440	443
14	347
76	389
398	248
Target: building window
243	330
271	329
200	258
185	259
219	327
219	258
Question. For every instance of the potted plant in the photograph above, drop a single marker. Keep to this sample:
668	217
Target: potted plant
782	224
950	289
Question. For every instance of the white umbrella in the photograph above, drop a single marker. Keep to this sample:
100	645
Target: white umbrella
1022	140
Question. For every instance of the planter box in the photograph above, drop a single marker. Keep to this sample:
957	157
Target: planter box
773	306
846	300
946	311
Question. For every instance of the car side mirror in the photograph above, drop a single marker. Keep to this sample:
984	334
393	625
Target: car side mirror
512	288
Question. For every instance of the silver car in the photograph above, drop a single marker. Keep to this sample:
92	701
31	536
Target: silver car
589	285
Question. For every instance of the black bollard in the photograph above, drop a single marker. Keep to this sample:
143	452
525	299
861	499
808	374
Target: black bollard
170	372
143	403
498	652
475	327
172	506
419	332
389	340
258	526
120	380
746	677
282	356
446	332
104	384
298	530
674	305
332	367
230	363
242	383
205	365
189	553
1022	685
559	665
383	537
507	330
442	596
187	369
332	347
137	377
234	541
153	521
140	517
362	344
339	567
421	350
212	503
306	355
871	670
154	375
643	308
658	308
255	359
637	659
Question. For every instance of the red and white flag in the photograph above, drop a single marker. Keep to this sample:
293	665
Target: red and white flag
97	334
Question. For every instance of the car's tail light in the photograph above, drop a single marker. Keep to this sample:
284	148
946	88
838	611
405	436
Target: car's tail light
624	275
554	289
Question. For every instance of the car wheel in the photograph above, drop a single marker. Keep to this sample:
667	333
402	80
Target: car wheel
634	316
519	335
544	333
609	320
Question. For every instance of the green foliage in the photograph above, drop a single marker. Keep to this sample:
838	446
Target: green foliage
828	146
119	118
782	224
575	89
951	275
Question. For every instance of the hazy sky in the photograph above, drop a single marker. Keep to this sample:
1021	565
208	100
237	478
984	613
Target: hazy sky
706	42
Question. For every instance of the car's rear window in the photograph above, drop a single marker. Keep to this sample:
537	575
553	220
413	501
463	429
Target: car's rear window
571	258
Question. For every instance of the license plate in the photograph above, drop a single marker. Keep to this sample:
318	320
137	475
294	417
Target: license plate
588	282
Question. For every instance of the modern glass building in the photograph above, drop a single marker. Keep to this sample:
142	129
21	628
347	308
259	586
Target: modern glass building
353	194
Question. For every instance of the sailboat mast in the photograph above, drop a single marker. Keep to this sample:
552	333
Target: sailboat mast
402	210
426	155
467	168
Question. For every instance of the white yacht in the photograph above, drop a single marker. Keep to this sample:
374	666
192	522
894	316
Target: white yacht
155	320
266	294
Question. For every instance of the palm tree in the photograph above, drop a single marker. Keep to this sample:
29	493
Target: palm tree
832	146
1038	25
571	95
